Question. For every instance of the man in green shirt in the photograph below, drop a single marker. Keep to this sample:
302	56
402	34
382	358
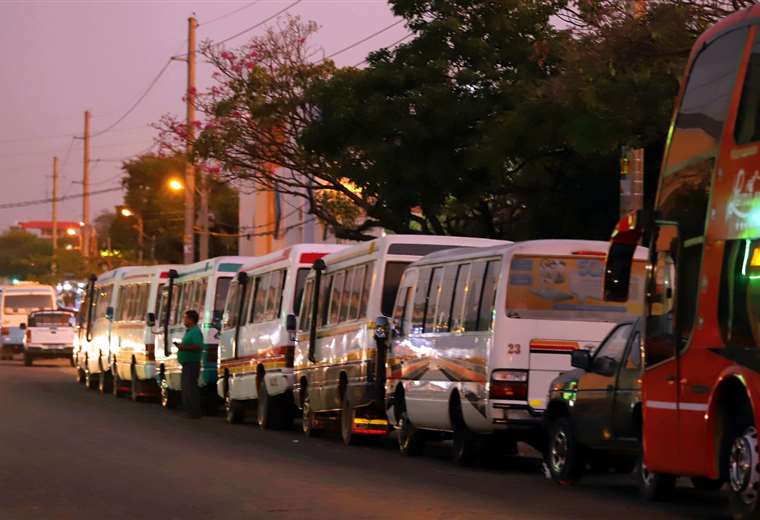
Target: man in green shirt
189	356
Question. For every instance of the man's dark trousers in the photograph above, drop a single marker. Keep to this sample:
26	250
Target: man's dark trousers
191	395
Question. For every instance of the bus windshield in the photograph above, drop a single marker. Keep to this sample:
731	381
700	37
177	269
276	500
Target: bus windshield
568	288
25	303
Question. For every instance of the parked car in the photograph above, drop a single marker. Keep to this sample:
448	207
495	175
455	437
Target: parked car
16	302
49	335
594	411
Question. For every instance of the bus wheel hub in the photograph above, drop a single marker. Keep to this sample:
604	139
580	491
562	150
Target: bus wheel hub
742	466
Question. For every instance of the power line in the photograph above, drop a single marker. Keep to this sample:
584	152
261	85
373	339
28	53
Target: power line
27	203
259	24
365	39
222	17
388	47
136	103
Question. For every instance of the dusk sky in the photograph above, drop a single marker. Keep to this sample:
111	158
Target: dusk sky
60	58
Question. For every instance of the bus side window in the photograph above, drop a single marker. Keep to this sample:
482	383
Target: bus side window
345	299
231	312
474	293
356	291
446	299
434	293
336	297
460	296
325	289
488	299
366	290
260	303
420	300
304	322
275	292
747	129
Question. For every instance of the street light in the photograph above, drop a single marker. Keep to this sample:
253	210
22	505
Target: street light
71	232
140	227
175	184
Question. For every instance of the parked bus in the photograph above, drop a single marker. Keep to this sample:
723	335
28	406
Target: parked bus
93	348
16	302
201	287
338	367
701	381
133	356
480	334
257	341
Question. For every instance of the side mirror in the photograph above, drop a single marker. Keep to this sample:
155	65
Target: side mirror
216	319
151	319
580	359
22	326
109	313
382	327
604	366
291	323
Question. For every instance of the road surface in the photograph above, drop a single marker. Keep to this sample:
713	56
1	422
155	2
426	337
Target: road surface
67	452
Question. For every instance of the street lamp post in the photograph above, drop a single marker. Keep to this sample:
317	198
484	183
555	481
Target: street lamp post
140	227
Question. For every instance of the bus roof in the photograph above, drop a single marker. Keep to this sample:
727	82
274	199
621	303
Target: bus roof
415	246
555	247
735	20
300	253
222	264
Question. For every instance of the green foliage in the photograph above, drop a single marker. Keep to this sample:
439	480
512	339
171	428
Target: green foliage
24	255
148	195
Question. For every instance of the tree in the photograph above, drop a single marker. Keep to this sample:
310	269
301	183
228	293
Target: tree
25	256
148	195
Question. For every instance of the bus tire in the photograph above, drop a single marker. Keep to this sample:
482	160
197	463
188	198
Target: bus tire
169	397
80	376
134	385
653	486
347	414
272	412
105	382
117	383
563	455
465	446
27	360
411	441
744	475
308	421
90	381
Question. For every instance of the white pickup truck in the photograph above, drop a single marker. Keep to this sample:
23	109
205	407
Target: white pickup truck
49	334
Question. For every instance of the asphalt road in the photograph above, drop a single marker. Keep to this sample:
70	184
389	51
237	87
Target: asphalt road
68	452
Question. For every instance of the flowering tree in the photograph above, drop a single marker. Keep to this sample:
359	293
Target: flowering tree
254	116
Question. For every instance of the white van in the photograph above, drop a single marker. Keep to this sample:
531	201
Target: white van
479	335
133	356
16	302
257	341
201	287
93	349
338	368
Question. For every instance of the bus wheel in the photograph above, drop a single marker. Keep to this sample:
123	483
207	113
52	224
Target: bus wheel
563	457
653	486
134	385
347	414
90	380
117	383
273	413
234	413
308	422
411	441
104	382
464	451
80	376
27	360
743	475
168	396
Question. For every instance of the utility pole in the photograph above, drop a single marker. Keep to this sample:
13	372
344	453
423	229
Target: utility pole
188	244
54	266
86	246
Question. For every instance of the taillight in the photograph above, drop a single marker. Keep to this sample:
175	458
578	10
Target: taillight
28	336
5	331
509	384
150	352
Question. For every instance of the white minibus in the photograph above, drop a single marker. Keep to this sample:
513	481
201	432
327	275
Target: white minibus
201	287
16	302
338	369
479	334
133	357
257	341
93	348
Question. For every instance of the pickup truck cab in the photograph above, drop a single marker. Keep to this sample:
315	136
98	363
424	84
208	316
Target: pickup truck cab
49	334
594	411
